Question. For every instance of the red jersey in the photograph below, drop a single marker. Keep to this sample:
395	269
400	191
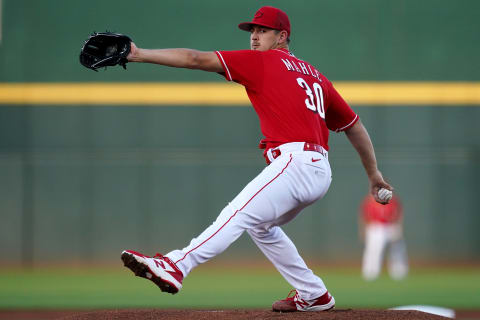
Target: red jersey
294	102
373	211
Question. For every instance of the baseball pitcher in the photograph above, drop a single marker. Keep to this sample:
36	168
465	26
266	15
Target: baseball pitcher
297	106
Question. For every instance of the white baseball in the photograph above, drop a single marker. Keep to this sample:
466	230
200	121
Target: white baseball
385	194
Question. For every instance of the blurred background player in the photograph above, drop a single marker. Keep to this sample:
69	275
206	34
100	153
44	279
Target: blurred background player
381	228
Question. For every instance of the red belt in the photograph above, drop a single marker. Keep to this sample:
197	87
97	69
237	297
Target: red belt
306	147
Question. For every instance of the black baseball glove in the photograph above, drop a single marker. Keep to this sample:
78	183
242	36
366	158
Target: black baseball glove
105	49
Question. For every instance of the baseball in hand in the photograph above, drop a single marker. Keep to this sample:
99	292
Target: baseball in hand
385	194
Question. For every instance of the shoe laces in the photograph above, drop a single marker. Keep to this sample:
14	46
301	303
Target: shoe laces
162	257
290	297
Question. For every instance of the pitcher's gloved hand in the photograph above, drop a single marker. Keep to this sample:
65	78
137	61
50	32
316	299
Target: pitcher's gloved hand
105	49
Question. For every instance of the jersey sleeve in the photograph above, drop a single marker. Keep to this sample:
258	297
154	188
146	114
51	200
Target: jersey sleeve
243	66
339	115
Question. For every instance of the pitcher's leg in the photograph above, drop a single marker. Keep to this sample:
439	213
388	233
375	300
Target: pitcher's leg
264	199
214	240
281	251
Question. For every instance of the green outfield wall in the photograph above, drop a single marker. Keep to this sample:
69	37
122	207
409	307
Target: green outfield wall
81	183
345	39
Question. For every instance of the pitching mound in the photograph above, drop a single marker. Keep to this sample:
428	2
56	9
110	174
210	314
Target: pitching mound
339	314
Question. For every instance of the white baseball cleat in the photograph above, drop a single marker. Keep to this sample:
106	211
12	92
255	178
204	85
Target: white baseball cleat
295	303
158	269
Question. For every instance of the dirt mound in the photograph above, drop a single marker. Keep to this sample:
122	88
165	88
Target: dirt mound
338	314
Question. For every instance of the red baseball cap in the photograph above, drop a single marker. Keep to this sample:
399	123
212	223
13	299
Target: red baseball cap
269	17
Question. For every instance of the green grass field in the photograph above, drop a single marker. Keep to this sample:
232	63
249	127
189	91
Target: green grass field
231	287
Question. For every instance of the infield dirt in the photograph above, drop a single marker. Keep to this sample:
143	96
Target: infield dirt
150	314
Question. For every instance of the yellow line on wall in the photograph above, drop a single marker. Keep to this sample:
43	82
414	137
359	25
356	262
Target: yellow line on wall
229	94
123	93
410	93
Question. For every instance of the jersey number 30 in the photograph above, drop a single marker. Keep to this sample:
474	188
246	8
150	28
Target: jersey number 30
313	103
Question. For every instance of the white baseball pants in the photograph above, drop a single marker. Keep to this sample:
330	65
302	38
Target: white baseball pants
380	238
290	183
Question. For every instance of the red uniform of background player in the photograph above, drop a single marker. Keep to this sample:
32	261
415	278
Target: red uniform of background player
297	106
381	228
